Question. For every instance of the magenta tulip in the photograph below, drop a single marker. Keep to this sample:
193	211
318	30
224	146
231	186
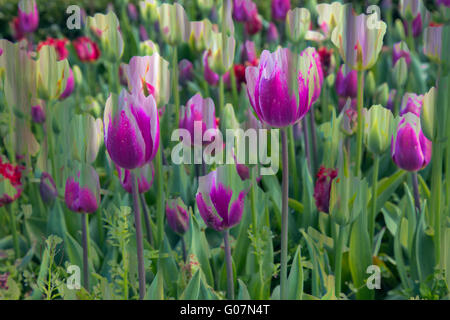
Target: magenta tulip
82	192
211	77
37	114
28	16
280	9
177	215
272	33
144	176
346	85
47	188
323	187
399	51
69	86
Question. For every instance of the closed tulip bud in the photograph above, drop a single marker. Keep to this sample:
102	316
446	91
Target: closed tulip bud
28	15
144	176
131	126
410	149
47	188
433	42
409	9
148	48
427	114
270	87
89	136
297	24
323	187
174	23
200	112
243	10
185	68
177	215
272	33
222	53
400	72
379	123
106	28
349	118
358	42
370	84
37	114
210	76
280	8
70	86
200	36
400	28
77	75
400	50
82	191
149	11
132	12
346	83
51	74
149	75
86	49
220	198
382	94
10	182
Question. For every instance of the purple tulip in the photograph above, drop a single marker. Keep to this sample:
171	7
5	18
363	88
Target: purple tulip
411	102
416	26
243	10
185	68
410	149
220	207
248	52
28	16
269	87
346	85
47	188
323	187
144	175
198	110
443	2
210	76
37	114
272	33
82	193
391	100
398	53
132	12
177	215
143	35
131	129
69	86
280	9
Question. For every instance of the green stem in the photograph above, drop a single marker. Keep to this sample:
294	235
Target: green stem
284	216
176	93
410	39
229	265
221	97
292	161
359	134
253	171
148	226
85	243
415	185
14	231
139	241
159	197
376	164
234	88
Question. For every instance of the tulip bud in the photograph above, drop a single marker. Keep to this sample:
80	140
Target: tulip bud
200	36
28	15
211	77
149	11
37	114
106	27
185	68
370	84
89	136
220	198
47	188
346	82
433	42
427	114
70	86
349	118
221	58
174	23
272	33
131	126
410	149
297	24
177	215
77	75
400	28
280	8
382	94
132	12
82	191
330	16
148	48
323	187
379	123
400	50
144	175
400	72
10	182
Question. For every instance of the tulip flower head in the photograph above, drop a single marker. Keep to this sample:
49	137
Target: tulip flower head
280	9
47	188
297	24
277	99
10	182
131	129
411	102
243	10
272	33
37	114
433	42
70	86
82	191
185	68
358	43
174	23
346	82
149	75
211	77
200	111
379	123
28	15
330	16
58	44
400	50
220	198
149	11
144	176
177	215
86	49
428	113
410	149
200	36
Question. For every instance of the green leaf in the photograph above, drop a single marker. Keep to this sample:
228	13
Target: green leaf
168	266
243	291
386	188
192	290
295	279
156	290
